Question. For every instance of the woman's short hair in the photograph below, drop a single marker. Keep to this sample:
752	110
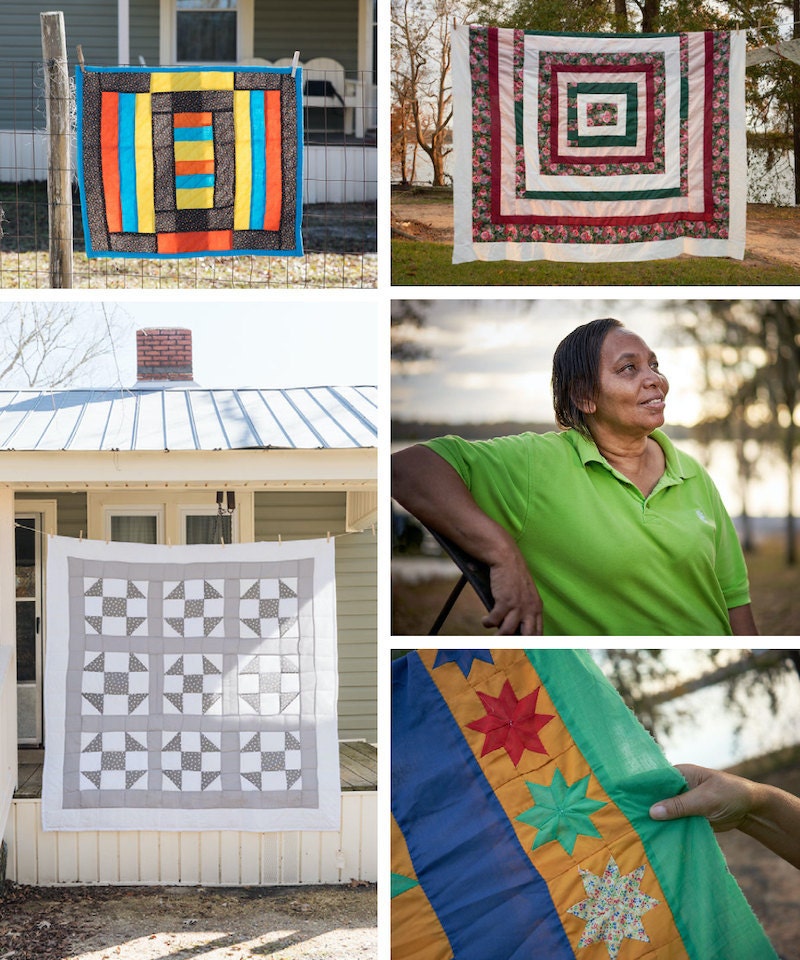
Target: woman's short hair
576	371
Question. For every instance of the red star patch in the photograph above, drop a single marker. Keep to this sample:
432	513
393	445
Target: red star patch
511	723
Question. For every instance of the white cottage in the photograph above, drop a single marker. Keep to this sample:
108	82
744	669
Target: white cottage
154	464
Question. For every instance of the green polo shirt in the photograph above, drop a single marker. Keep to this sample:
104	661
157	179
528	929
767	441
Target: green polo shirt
606	559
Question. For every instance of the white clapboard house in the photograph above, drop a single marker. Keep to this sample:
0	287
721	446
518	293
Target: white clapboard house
148	464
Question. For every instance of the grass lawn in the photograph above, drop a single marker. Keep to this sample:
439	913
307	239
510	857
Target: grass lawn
430	263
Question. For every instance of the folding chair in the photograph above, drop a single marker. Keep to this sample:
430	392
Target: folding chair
475	572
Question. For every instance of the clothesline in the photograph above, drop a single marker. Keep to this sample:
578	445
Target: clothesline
279	540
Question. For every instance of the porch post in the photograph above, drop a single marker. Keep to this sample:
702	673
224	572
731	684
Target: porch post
123	32
8	638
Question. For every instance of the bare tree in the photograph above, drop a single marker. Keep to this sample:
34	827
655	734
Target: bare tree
50	344
421	69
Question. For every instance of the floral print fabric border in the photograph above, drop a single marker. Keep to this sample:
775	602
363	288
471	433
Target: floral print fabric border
596	147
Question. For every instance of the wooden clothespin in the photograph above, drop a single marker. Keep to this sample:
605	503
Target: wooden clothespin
279	540
80	59
221	540
80	538
295	62
329	536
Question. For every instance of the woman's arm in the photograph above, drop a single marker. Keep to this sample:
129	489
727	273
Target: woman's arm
742	622
766	813
429	488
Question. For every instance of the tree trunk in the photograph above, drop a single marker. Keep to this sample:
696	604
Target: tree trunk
791	545
621	16
650	13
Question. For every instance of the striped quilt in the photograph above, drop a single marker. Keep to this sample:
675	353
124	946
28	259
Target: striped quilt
187	162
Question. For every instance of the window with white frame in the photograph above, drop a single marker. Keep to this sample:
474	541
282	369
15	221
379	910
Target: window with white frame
143	524
206	31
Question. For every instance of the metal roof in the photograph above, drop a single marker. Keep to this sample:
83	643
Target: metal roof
188	418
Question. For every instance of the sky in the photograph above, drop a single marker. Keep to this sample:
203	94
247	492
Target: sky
259	343
491	360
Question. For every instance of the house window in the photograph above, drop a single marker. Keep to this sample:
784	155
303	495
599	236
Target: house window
206	31
207	528
134	524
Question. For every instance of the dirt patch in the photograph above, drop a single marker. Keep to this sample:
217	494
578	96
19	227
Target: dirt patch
146	923
773	233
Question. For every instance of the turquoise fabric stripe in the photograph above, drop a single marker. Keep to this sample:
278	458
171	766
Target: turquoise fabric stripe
189	181
258	140
711	914
194	133
127	162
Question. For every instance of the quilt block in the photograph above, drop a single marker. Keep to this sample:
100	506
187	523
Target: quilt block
598	147
190	161
166	709
522	783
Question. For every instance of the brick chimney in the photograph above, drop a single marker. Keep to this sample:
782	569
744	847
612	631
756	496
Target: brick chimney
163	353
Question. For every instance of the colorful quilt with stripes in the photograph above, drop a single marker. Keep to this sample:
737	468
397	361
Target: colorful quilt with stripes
187	162
521	786
190	687
593	147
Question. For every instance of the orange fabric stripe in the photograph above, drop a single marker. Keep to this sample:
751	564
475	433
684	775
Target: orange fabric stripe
109	153
558	868
194	242
183	167
192	119
416	931
272	111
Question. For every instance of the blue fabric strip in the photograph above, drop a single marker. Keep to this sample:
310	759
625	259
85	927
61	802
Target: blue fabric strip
194	133
127	162
258	140
489	898
189	181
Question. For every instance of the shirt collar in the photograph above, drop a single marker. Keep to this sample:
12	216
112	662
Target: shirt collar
679	466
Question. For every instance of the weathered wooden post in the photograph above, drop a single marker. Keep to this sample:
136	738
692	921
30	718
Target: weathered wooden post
59	165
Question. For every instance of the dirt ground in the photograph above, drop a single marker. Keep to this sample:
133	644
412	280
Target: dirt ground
179	923
772	232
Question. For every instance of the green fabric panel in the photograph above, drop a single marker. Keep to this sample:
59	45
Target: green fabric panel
602	194
710	911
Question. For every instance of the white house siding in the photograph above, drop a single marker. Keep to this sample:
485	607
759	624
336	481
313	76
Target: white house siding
212	858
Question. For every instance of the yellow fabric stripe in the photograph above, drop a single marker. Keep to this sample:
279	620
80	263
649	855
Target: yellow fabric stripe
558	868
416	931
194	198
170	82
194	149
244	163
145	195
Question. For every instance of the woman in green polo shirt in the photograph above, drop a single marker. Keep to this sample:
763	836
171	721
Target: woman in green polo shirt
603	528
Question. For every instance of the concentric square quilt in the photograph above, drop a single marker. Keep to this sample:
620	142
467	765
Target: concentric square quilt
190	161
596	147
191	687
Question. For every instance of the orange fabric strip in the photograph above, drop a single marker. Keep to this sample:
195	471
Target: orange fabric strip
272	214
109	151
194	242
184	167
192	119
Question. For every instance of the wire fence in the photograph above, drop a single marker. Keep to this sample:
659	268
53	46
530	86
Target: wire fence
339	212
